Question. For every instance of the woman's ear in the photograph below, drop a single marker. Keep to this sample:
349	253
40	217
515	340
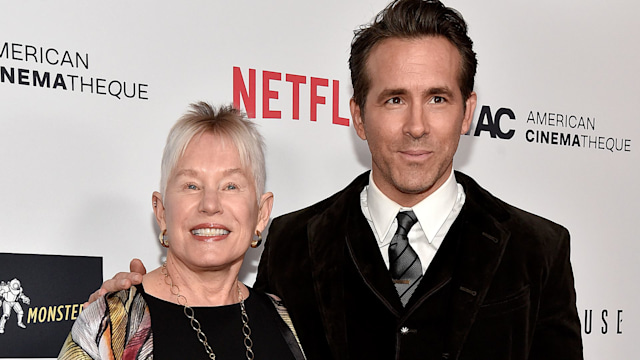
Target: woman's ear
264	210
158	209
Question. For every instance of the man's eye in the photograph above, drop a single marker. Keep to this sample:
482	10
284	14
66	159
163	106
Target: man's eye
192	187
438	100
394	101
231	187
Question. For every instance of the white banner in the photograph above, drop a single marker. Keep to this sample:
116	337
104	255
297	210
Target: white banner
90	89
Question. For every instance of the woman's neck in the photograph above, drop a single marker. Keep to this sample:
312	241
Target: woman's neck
200	287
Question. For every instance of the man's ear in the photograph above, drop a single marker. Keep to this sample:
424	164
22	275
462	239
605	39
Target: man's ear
470	108
264	210
158	209
356	115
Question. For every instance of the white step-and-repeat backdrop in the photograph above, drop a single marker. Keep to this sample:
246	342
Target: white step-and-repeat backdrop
89	90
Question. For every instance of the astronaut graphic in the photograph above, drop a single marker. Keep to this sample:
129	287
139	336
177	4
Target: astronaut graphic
10	294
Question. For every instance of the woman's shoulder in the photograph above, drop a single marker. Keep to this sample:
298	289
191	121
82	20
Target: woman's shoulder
275	301
125	295
93	314
114	313
266	299
123	299
283	323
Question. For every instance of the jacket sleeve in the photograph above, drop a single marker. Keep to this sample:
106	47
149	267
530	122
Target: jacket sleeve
557	331
116	326
71	350
80	343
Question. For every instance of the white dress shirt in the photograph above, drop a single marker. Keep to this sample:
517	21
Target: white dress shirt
436	213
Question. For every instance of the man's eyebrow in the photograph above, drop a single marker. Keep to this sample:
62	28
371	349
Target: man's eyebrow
438	90
443	90
387	93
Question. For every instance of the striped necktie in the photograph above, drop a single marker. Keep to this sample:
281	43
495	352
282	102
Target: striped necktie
404	264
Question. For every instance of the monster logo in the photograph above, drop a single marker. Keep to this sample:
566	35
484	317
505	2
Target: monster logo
10	295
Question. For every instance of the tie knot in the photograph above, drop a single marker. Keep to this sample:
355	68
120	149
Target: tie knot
406	219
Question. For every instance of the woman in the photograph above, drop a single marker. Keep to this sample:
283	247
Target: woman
210	209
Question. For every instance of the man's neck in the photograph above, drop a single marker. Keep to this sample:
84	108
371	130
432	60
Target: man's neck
406	199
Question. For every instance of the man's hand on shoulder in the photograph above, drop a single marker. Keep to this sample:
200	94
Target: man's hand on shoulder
121	281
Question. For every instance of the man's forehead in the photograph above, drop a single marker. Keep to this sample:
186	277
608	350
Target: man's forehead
430	62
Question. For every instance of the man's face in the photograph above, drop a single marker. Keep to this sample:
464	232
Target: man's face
414	115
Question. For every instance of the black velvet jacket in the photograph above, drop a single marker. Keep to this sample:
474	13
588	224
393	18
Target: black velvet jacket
499	287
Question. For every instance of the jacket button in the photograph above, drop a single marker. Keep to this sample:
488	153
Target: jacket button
405	330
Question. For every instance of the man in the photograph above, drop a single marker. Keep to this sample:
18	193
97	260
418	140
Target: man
413	260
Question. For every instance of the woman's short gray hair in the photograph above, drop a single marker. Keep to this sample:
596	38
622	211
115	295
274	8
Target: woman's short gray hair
225	121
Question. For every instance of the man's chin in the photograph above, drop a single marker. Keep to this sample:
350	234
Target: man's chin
423	185
415	190
412	188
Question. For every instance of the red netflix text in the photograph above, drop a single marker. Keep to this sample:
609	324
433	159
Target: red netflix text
244	88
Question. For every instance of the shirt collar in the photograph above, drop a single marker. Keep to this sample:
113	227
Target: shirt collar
431	211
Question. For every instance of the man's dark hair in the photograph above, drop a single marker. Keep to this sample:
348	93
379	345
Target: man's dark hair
410	19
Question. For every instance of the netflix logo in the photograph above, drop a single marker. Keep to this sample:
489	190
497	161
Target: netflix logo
291	94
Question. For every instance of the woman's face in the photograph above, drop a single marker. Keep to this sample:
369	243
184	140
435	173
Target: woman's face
210	208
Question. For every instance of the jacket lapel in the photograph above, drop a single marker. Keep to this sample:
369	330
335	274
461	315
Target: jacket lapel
481	243
439	272
365	254
327	234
